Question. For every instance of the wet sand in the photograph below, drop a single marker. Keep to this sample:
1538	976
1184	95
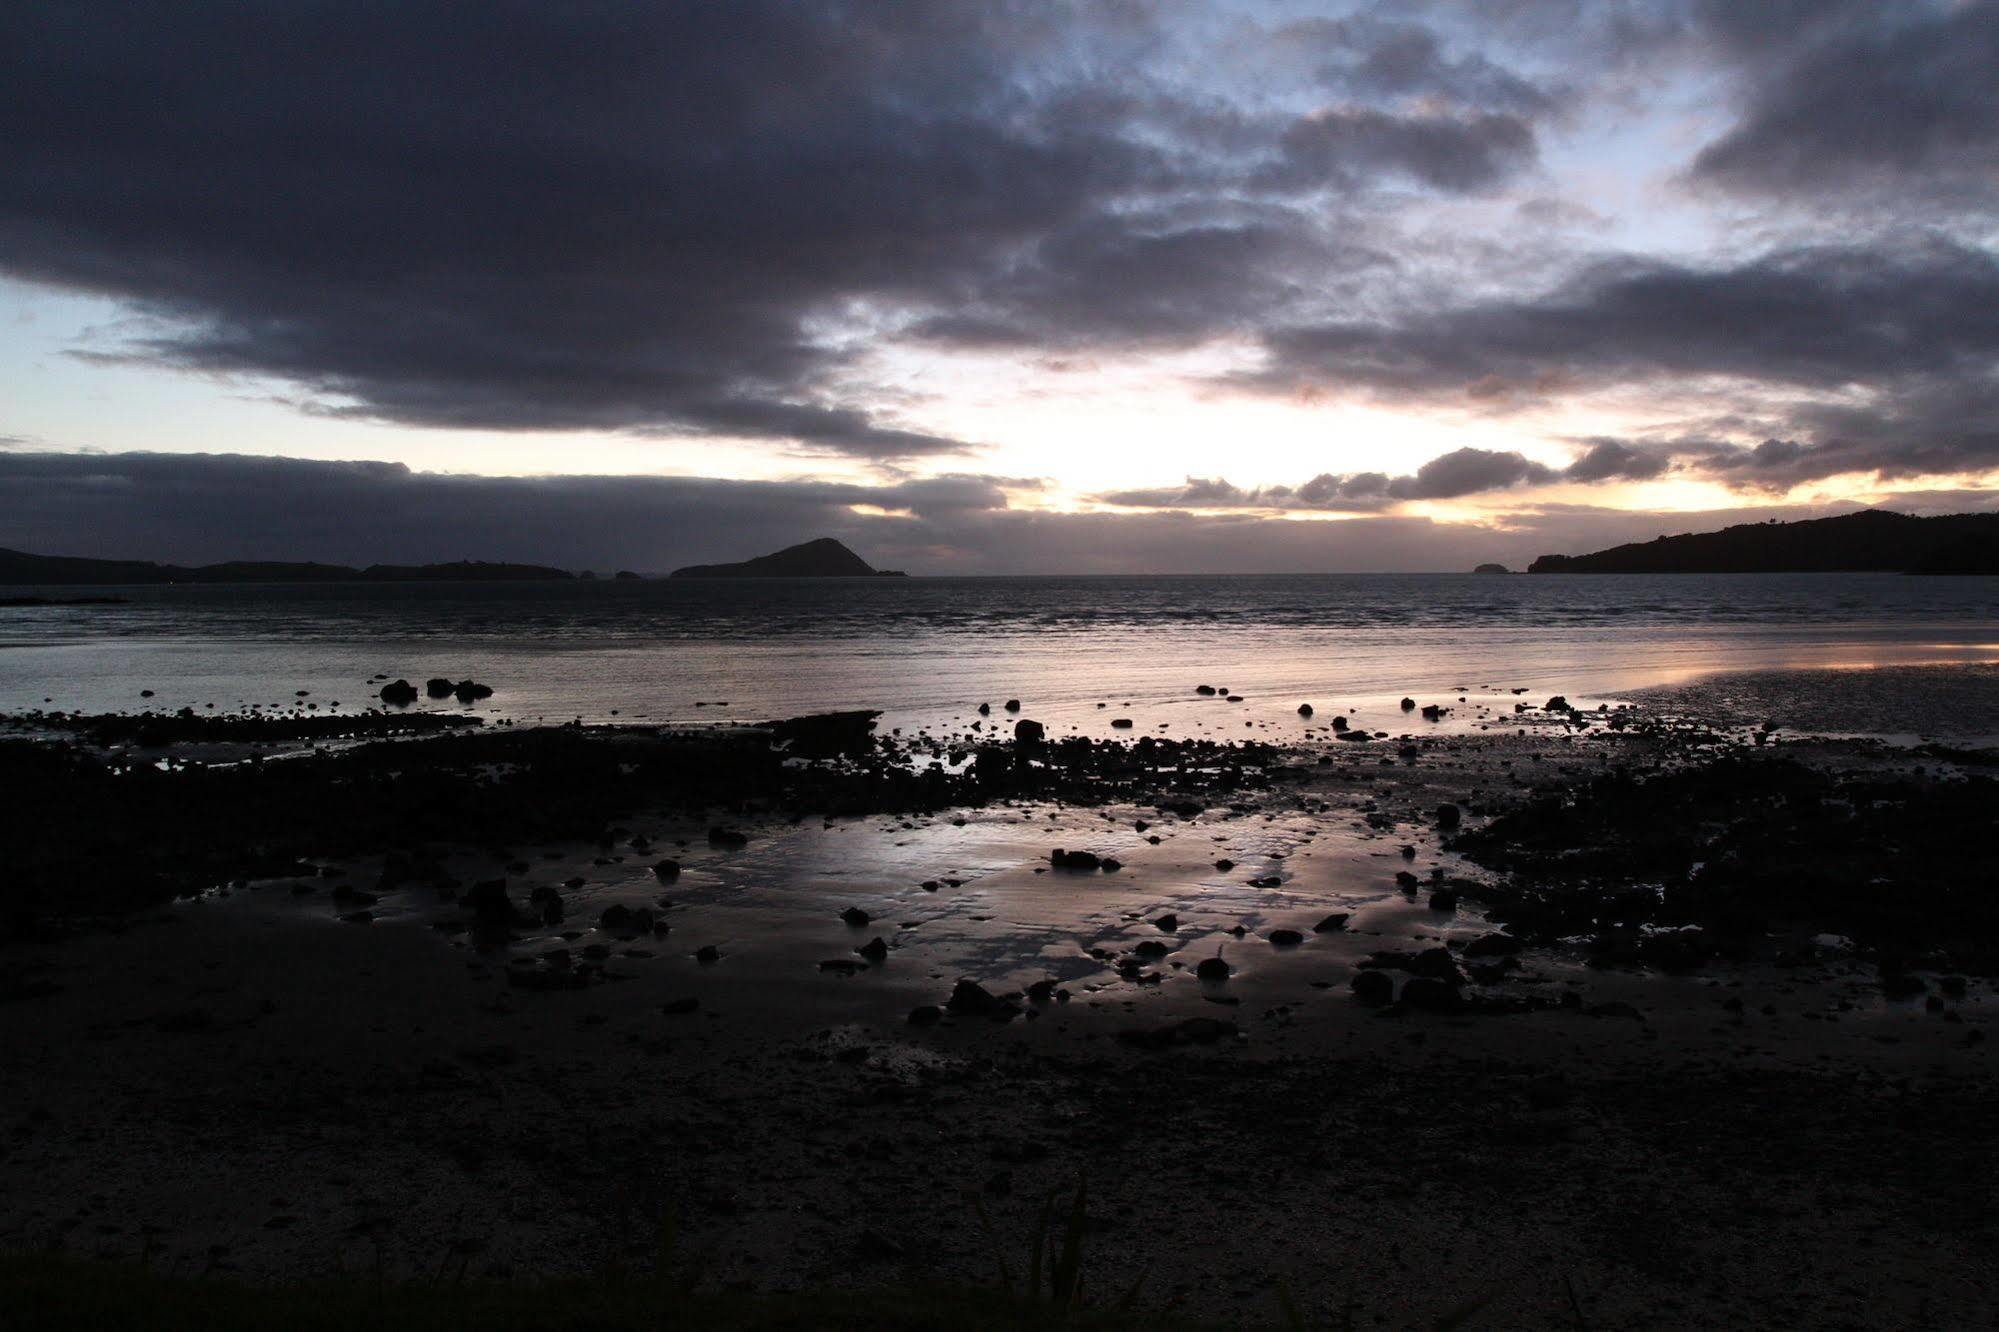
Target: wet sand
253	1082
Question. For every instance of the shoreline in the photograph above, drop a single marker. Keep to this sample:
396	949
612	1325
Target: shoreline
290	1082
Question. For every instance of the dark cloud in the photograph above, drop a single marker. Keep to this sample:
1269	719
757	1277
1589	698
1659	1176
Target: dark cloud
591	215
668	217
1453	475
1459	154
198	508
1890	352
1616	460
204	507
1372	56
1897	96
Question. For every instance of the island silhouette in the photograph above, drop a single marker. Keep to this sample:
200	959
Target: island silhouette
1870	541
820	558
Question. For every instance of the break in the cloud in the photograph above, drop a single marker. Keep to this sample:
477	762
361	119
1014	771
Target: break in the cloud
1746	245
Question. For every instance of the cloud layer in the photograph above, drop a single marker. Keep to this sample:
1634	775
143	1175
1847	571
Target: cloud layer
723	220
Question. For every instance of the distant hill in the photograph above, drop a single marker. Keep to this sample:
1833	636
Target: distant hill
1872	540
824	558
18	566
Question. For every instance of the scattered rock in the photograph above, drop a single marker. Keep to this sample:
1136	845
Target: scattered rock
399	693
1333	923
1286	938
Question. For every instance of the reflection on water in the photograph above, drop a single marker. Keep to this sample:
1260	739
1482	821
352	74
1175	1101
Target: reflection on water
925	650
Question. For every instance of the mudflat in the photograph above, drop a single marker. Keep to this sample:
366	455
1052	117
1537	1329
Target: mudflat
1650	1016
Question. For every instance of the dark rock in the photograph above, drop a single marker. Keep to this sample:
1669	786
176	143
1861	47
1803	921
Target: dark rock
1432	712
538	980
925	1015
1286	938
826	734
855	917
975	1000
1121	723
727	837
1448	817
1012	705
666	871
1206	691
471	691
1431	996
1335	922
1557	704
1027	732
1214	969
874	950
1304	709
1373	988
438	687
707	953
1168	922
1408	705
1190	1031
1444	899
1110	864
1492	945
399	693
1075	860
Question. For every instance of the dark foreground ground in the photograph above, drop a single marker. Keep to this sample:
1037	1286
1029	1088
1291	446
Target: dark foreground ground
1685	1030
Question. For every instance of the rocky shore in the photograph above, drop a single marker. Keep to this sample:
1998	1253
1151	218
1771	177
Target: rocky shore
1604	1019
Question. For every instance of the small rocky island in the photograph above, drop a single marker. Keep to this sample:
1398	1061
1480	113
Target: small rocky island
822	558
1492	569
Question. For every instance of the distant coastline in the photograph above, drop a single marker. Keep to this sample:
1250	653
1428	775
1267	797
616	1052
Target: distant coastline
1871	541
19	567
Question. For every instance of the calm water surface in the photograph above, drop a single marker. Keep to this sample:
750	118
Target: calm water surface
929	649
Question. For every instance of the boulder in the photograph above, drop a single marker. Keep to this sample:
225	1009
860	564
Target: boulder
1214	969
1027	732
1286	938
972	999
399	693
471	691
1448	817
826	734
1373	989
1431	996
1333	923
438	687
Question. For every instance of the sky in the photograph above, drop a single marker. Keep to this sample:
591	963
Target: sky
1118	286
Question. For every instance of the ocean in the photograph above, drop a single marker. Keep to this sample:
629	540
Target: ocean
1076	651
